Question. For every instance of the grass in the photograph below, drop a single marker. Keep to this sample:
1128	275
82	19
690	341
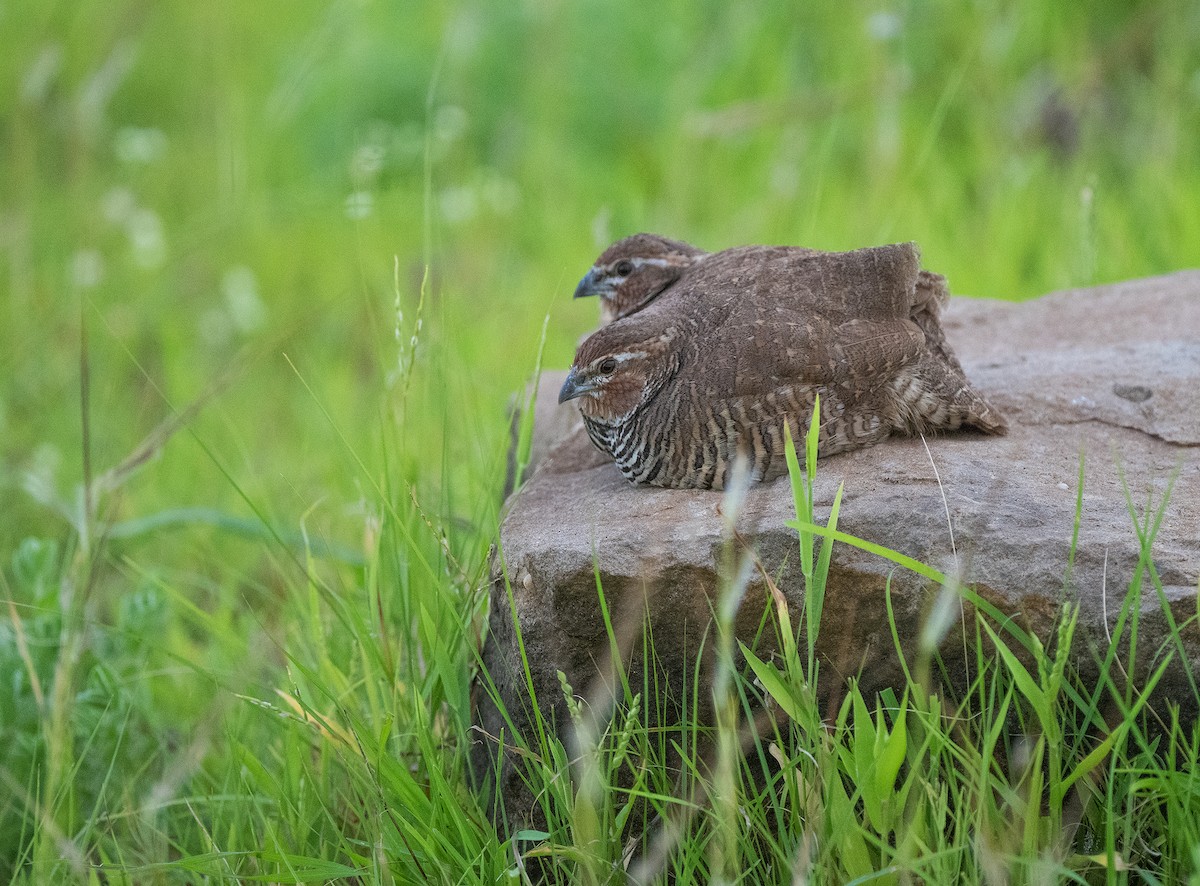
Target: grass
1027	775
238	639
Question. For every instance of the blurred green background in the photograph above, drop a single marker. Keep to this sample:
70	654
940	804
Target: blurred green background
272	186
196	179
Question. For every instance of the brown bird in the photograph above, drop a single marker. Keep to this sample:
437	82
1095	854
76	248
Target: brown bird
634	271
715	363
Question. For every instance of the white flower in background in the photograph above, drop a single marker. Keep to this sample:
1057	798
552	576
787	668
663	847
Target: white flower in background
98	89
458	204
366	162
40	478
39	77
139	146
489	191
246	309
464	34
785	178
145	231
359	205
143	226
883	25
87	268
118	204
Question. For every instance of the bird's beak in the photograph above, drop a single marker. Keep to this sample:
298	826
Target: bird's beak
573	387
591	284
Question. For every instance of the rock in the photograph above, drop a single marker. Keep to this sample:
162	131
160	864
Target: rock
1110	374
553	422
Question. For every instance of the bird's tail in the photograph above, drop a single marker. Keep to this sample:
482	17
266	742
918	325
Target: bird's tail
938	397
979	413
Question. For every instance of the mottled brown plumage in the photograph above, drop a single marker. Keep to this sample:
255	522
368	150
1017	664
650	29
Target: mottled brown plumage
740	342
635	270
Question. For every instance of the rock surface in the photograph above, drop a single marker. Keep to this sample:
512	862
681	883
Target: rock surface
1112	373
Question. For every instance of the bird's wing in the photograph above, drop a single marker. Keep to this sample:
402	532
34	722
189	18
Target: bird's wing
873	351
858	353
877	283
789	283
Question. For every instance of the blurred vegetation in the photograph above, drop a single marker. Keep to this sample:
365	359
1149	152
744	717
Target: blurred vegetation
205	178
257	201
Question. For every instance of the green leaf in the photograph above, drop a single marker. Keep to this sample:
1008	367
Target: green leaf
801	502
865	746
846	831
871	548
810	443
1025	683
35	567
774	683
814	592
891	748
306	869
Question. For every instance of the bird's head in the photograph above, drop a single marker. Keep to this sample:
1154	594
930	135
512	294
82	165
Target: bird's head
632	272
620	368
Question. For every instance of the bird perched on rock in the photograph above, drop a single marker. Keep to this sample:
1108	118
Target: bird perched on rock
634	271
715	361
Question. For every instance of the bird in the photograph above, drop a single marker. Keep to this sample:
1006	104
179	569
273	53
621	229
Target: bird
714	364
635	270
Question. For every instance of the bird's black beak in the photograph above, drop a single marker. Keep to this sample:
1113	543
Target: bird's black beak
572	387
592	284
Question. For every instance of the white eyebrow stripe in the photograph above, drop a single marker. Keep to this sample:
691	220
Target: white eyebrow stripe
611	269
622	357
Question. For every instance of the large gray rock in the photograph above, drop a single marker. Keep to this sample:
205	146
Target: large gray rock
1111	374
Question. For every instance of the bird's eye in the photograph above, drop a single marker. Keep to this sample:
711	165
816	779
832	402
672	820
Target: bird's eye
608	366
625	268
